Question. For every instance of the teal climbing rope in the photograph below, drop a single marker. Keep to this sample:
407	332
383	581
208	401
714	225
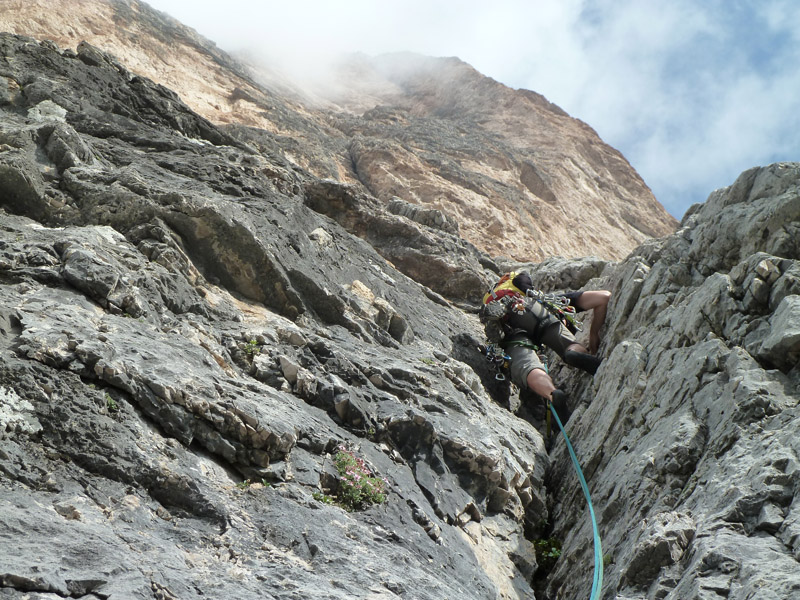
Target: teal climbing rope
597	583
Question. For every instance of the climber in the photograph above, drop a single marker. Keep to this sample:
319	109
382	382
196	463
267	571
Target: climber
520	319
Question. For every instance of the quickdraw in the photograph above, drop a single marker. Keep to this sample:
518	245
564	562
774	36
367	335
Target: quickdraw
498	358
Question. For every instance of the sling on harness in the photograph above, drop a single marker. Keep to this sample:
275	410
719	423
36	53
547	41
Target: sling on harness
558	306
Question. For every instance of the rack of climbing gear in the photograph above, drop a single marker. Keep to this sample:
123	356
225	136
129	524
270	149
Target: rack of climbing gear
559	306
498	358
597	581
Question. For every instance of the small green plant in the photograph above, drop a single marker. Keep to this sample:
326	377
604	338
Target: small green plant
111	404
358	487
324	498
252	348
429	361
547	552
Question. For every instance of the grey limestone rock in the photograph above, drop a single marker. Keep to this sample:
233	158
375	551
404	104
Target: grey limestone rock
688	431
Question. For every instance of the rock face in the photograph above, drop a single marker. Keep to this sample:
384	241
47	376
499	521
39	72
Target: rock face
689	430
191	326
177	323
514	172
520	176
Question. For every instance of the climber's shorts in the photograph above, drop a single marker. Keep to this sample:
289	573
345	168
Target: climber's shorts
523	360
523	356
558	338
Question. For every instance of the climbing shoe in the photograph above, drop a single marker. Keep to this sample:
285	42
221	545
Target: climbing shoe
583	361
559	402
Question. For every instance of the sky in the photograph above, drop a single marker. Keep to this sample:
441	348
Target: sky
691	92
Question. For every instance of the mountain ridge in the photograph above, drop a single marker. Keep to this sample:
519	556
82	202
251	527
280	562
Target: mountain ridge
544	169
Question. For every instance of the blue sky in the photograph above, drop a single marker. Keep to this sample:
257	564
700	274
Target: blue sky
692	93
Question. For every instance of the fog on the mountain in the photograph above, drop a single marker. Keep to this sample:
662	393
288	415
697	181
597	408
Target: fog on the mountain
691	94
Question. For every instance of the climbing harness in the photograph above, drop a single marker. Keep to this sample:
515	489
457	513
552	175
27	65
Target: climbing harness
597	582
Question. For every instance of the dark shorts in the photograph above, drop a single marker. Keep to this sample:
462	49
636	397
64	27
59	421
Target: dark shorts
524	358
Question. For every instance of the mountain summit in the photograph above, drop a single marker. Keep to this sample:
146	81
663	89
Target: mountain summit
513	172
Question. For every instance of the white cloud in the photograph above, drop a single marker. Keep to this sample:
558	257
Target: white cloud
692	93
